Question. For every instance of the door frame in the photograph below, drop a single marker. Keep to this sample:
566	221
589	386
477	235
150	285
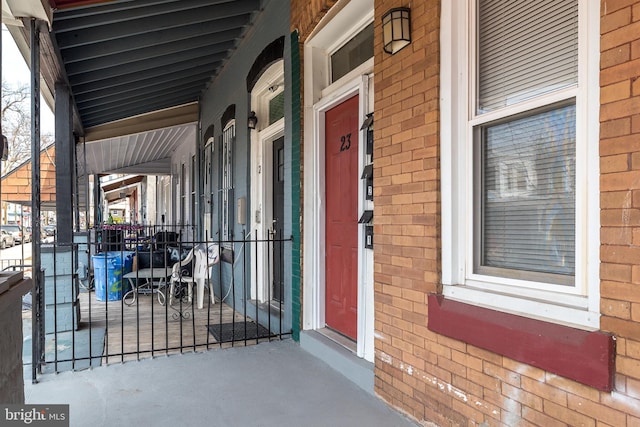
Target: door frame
262	206
277	248
314	220
320	94
270	84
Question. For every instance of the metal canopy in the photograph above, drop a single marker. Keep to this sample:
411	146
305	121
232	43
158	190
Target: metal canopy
146	153
126	58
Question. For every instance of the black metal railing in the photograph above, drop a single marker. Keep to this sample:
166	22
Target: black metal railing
129	292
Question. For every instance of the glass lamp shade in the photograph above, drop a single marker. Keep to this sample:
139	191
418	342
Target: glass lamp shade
396	29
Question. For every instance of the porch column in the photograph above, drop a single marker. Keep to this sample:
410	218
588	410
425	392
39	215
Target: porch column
97	202
62	309
36	262
65	166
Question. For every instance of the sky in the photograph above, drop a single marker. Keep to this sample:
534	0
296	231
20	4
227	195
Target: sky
16	72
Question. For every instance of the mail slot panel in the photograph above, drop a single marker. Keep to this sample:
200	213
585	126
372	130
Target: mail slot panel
368	236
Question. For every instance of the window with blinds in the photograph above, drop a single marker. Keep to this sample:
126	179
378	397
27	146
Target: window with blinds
522	54
524	173
527	212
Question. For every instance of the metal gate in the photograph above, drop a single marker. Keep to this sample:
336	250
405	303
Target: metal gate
129	292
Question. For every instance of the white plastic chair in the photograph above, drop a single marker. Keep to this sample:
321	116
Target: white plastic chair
204	256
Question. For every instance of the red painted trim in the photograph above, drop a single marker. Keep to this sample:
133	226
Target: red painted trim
583	356
66	4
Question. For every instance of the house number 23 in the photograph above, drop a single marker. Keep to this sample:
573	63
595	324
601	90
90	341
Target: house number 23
345	141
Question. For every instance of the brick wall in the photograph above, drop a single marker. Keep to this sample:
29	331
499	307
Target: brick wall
412	364
437	379
620	190
448	382
305	15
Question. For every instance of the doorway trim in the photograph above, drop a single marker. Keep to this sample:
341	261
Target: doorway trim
270	84
343	22
314	222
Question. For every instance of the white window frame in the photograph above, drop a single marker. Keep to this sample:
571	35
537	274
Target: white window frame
228	140
270	84
577	305
183	194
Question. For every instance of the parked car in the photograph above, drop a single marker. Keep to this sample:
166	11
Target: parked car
15	231
6	239
49	230
26	234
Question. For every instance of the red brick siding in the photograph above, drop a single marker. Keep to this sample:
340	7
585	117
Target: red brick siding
16	186
434	378
411	362
438	379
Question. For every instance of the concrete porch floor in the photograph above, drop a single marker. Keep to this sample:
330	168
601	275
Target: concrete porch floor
270	384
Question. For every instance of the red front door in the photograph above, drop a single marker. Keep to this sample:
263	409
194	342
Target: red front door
341	193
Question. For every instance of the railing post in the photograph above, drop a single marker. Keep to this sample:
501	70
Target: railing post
37	325
36	239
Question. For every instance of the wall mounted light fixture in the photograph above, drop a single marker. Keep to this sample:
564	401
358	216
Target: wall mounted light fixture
396	29
252	121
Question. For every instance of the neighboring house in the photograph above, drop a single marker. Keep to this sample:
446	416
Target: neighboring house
504	259
246	178
16	185
216	178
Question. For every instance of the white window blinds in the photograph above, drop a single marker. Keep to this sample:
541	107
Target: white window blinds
526	48
528	197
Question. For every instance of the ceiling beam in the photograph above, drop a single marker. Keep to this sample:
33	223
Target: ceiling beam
147	108
180	115
147	24
170	80
122	104
146	56
227	30
198	65
119	183
70	19
143	67
60	4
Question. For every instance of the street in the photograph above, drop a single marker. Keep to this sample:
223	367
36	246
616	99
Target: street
17	252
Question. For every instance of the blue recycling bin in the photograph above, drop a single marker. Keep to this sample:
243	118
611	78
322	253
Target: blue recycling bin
108	269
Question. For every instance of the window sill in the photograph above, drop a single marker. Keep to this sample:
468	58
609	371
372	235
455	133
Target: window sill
546	306
583	356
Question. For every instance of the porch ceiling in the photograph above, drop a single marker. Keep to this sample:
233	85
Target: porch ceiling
135	69
125	58
144	153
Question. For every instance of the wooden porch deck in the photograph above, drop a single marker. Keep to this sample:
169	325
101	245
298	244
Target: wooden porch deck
147	329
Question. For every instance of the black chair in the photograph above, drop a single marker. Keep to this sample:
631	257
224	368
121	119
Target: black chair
112	241
155	259
163	239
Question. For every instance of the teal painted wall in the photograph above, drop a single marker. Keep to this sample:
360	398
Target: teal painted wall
296	112
228	88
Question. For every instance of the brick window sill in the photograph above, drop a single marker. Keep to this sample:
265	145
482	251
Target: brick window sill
583	356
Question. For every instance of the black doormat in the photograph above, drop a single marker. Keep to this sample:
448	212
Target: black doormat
228	332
